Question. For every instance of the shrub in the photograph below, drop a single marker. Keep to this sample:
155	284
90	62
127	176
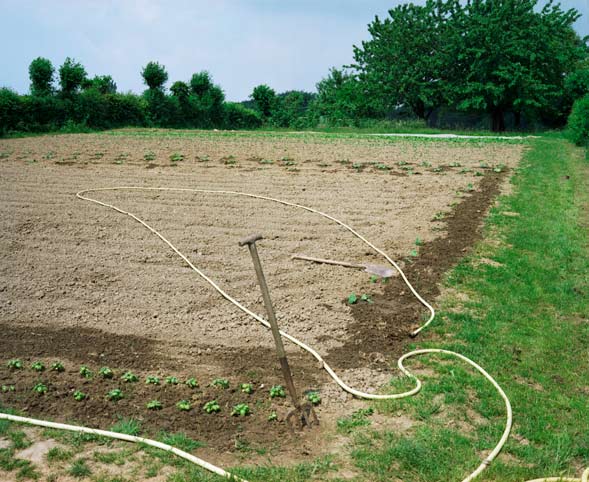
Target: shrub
578	122
10	110
240	117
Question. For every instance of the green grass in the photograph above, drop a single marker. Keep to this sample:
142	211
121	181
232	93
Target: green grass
525	322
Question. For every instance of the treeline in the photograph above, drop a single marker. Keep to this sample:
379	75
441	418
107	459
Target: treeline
495	63
81	102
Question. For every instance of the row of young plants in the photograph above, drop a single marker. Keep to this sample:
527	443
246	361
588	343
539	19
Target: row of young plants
116	394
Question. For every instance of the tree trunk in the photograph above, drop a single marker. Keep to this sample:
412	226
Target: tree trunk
498	120
517	119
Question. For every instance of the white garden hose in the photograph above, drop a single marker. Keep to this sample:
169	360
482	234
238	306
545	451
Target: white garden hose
219	471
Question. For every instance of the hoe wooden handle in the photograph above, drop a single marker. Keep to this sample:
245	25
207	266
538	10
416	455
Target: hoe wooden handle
250	239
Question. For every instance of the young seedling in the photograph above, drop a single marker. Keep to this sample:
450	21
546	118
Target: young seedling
176	157
439	216
455	164
191	383
277	391
365	297
357	166
212	407
130	377
115	395
220	383
38	366
469	187
85	371
272	417
246	388
40	388
418	242
79	396
152	380
437	169
413	253
106	372
374	278
266	161
382	167
171	380
352	299
402	163
314	398
240	410
184	405
57	367
426	164
7	388
15	364
150	156
154	405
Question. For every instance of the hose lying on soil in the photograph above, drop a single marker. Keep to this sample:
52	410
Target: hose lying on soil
330	371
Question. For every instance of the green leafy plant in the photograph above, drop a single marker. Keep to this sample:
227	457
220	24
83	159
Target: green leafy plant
277	391
79	396
212	407
154	405
455	164
439	216
365	297
220	383
184	405
413	253
14	364
266	161
246	388
57	367
176	157
130	377
357	419
469	187
150	156
426	164
314	398
115	395
85	371
418	242
152	380
79	469
191	383
374	278
172	380
272	417
352	299
40	388
106	372
382	167
38	366
8	388
240	410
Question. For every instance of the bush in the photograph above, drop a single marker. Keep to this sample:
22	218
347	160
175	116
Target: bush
578	122
10	110
240	117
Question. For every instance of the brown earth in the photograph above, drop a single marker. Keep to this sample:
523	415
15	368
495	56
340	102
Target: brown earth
84	284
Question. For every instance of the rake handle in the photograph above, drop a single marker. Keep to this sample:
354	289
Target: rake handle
327	261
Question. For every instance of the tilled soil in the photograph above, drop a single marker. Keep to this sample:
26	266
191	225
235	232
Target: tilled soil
84	284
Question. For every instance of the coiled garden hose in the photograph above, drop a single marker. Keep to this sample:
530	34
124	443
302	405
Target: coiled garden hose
330	371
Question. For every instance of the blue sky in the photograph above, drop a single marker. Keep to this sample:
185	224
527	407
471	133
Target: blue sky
287	44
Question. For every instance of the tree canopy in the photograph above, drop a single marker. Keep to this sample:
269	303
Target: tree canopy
494	56
41	73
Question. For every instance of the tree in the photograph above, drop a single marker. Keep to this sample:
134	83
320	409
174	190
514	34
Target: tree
71	76
41	73
265	99
104	84
513	58
408	60
181	90
154	76
200	83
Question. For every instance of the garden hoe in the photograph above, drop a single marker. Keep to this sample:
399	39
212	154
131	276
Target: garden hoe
303	415
376	269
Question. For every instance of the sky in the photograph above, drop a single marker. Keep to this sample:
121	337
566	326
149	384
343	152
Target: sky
287	44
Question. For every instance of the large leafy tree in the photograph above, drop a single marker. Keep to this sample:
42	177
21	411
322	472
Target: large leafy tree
408	60
72	75
265	100
41	73
513	58
493	56
154	76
